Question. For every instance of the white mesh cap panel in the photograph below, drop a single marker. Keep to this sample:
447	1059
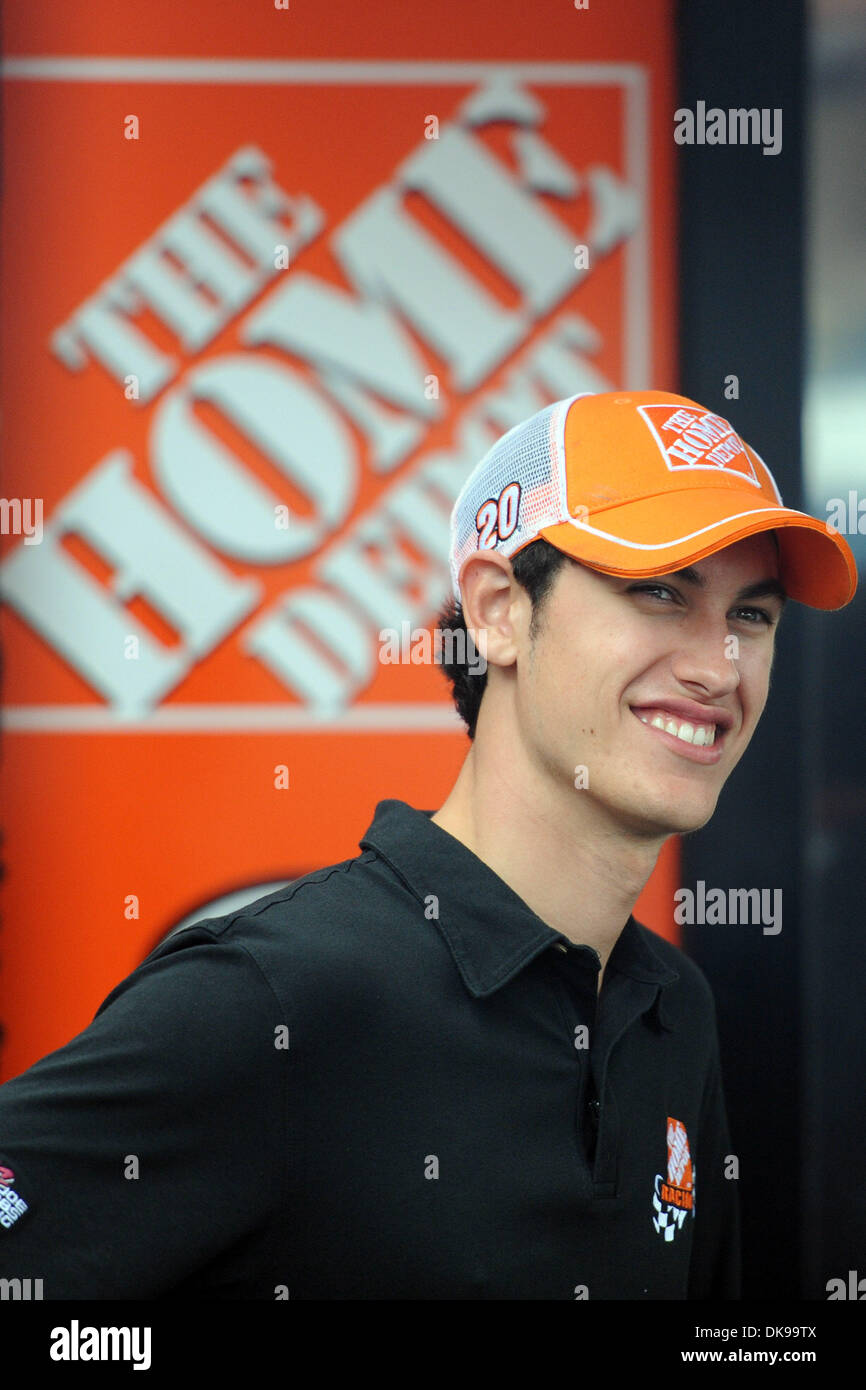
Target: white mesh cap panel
530	455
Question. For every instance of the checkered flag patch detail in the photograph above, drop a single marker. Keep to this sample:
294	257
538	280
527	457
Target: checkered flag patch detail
667	1220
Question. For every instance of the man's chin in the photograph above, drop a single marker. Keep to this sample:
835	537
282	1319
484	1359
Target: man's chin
685	824
663	821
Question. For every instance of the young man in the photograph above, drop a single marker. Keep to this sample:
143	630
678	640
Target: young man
455	1067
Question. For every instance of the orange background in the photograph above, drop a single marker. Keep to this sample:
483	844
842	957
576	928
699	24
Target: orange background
179	819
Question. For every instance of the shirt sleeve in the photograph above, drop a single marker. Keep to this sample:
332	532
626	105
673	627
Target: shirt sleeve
715	1271
142	1152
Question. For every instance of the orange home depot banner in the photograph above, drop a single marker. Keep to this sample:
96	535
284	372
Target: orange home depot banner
262	315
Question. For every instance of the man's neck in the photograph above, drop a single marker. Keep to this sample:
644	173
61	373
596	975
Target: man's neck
579	873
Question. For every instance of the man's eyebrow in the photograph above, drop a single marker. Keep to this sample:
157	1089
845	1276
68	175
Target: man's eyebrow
762	588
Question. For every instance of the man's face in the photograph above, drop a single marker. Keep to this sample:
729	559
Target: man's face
692	648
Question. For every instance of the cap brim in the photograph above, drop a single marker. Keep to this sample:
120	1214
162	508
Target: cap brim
655	536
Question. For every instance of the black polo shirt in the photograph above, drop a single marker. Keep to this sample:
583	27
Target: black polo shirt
389	1079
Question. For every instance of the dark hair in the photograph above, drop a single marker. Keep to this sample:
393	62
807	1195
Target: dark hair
535	569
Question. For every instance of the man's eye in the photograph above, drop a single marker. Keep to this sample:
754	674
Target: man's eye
759	615
753	617
652	589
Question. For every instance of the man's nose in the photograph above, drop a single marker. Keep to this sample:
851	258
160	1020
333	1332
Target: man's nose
706	656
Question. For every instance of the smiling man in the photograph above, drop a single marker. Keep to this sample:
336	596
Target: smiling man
632	681
622	561
454	1066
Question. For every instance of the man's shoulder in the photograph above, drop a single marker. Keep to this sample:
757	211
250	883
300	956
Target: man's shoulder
316	930
354	884
309	896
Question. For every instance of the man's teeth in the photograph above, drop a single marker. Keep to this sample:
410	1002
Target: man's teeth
698	734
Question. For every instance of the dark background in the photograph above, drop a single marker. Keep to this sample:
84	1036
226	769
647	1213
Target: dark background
793	814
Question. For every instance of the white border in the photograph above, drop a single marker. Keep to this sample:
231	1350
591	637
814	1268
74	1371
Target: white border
227	71
215	718
41	68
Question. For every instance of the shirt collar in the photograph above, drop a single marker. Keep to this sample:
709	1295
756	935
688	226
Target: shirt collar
491	932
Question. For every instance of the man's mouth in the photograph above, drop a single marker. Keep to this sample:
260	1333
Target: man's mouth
699	735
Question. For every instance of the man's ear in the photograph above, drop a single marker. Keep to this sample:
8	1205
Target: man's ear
496	609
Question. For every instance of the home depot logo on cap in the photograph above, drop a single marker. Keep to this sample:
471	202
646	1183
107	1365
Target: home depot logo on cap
640	483
689	437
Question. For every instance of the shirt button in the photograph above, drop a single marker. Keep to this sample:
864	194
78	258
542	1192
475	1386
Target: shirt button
560	946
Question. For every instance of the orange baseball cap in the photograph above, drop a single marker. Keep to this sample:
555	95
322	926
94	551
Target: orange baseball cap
640	483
